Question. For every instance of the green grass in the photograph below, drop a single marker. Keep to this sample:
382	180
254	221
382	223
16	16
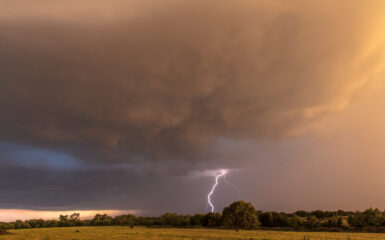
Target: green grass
141	233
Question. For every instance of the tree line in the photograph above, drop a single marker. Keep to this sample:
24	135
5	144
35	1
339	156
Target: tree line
239	215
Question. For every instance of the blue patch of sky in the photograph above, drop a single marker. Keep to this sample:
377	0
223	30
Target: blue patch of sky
34	157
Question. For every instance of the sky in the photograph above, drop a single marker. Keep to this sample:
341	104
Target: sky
131	106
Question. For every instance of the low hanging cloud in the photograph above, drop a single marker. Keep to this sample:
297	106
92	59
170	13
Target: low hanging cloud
130	82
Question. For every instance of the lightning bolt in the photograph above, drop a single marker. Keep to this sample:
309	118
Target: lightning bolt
222	174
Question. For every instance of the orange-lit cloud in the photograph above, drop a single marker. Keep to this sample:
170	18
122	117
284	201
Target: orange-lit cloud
165	83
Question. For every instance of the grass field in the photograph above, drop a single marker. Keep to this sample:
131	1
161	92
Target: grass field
117	233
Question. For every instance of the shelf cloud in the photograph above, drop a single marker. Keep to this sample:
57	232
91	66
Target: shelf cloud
177	84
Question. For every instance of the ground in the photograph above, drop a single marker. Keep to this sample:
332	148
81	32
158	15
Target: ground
141	233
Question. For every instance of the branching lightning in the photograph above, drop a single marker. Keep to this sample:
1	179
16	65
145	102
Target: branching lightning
220	174
229	183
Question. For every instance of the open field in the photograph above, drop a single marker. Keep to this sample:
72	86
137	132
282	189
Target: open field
117	233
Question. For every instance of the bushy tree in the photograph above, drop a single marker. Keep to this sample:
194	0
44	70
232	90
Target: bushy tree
127	219
344	213
51	223
101	220
312	222
212	220
273	219
87	222
295	221
170	219
64	221
357	220
266	219
35	223
335	221
240	215
373	217
176	220
5	226
186	220
19	224
147	221
370	217
302	213
74	219
197	220
323	214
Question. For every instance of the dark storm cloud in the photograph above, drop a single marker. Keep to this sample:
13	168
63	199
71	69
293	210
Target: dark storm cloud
125	82
166	83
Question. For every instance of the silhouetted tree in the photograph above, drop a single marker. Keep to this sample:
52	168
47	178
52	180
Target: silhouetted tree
197	220
240	215
19	224
302	213
370	217
50	223
74	219
101	220
335	221
171	219
127	219
295	221
35	223
312	222
64	221
212	220
273	219
147	221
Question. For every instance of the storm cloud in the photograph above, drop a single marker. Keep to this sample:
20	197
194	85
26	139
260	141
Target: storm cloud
172	85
